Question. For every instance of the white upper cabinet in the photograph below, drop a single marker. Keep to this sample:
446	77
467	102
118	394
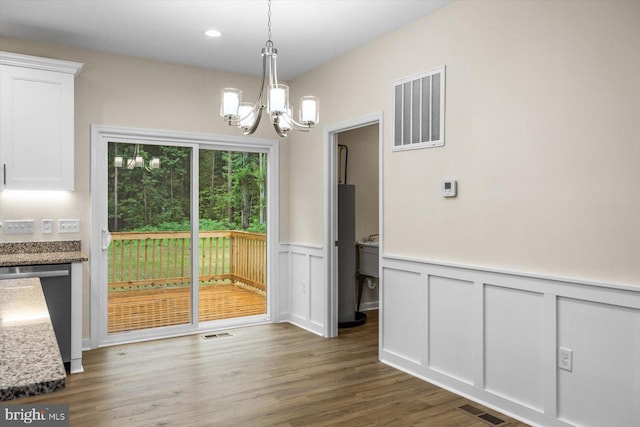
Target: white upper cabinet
36	122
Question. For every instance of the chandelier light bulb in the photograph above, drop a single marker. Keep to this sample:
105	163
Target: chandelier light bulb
230	103
309	110
278	99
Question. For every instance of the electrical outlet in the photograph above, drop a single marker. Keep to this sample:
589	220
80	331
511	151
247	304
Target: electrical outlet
22	226
68	226
565	359
47	226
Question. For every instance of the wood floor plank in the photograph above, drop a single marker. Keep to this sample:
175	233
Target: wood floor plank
266	375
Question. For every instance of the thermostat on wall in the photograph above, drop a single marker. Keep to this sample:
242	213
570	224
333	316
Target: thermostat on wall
449	188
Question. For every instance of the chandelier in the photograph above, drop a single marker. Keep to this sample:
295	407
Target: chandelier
273	96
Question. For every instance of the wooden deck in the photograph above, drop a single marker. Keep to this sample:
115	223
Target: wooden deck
151	308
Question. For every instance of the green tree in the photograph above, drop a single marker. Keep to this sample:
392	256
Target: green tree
231	189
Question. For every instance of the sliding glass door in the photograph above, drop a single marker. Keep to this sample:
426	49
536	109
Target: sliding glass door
181	233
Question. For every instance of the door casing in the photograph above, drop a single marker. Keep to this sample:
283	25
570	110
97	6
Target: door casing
331	212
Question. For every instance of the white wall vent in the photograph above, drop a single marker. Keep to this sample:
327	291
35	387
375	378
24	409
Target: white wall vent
419	111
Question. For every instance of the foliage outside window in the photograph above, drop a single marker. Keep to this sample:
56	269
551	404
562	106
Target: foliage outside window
232	193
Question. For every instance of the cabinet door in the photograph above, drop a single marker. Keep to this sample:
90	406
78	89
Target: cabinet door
36	135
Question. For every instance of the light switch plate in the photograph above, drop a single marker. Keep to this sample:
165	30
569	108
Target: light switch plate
68	226
47	226
22	226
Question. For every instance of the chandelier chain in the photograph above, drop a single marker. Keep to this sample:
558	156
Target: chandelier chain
269	23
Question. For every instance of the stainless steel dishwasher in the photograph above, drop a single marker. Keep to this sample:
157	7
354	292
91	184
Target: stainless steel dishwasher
56	286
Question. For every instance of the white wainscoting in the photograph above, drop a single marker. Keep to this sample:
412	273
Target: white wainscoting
494	337
302	286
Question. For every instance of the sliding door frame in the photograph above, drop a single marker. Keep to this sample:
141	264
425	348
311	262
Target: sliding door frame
100	137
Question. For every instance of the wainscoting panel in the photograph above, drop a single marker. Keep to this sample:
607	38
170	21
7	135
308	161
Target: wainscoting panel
404	321
284	278
494	337
317	290
513	338
451	321
306	287
605	379
299	285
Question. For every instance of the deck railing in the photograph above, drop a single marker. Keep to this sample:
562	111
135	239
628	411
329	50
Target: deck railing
156	259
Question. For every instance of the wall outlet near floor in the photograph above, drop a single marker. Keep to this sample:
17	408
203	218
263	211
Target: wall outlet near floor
47	226
68	226
565	359
22	226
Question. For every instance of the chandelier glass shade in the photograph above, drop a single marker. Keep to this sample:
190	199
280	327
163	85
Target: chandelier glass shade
273	97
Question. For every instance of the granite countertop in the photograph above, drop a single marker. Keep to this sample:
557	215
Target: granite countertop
30	360
39	253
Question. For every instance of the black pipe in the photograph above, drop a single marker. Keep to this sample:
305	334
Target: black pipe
346	161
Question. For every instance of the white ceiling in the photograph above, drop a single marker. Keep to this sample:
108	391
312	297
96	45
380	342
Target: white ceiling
307	33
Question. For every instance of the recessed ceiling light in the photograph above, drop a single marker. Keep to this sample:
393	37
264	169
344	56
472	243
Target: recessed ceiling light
213	33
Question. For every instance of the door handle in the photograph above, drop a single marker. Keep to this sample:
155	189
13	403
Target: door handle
106	239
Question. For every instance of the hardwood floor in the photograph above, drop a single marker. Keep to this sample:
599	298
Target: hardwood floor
266	375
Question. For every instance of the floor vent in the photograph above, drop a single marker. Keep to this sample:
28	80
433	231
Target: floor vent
490	418
481	415
218	335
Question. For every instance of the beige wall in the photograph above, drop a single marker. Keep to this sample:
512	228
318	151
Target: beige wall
117	90
363	173
541	133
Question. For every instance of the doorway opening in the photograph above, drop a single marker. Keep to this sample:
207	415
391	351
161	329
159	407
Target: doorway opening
353	167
